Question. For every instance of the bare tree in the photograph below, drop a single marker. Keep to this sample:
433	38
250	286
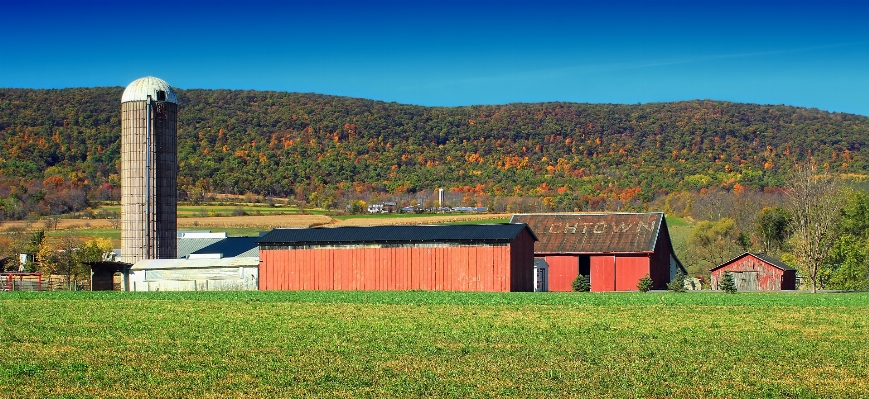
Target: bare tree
815	204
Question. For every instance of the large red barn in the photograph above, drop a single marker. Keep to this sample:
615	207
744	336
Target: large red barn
615	250
492	257
756	272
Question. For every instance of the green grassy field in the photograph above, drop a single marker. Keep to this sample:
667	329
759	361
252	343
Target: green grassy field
433	344
680	230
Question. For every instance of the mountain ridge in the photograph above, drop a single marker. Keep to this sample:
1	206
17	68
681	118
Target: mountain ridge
298	144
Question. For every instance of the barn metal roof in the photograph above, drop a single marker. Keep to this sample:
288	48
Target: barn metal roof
396	234
141	88
187	246
232	246
588	233
762	256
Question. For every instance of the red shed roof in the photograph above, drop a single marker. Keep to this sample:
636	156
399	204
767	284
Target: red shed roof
762	257
588	233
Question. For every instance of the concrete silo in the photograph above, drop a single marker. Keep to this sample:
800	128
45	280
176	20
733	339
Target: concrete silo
149	170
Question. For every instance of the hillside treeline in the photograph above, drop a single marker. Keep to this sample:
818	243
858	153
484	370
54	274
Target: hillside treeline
60	149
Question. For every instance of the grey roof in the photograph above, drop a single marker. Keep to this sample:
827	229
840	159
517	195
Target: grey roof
397	234
232	246
762	256
187	246
773	261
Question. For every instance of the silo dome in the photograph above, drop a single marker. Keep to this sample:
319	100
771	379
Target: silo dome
141	88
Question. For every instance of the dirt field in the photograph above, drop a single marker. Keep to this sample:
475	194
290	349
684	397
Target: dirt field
419	220
263	221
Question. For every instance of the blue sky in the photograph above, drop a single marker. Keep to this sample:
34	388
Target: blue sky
444	53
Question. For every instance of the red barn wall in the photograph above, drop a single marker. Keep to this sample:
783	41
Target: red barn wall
629	271
563	269
769	278
496	267
603	273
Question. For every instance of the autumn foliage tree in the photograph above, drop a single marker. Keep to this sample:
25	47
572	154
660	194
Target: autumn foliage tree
815	203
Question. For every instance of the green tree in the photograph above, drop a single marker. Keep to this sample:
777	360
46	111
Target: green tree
849	264
92	251
357	207
772	226
580	284
645	284
855	213
727	284
849	257
677	284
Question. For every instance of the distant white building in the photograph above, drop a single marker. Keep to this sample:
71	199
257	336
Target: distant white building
385	207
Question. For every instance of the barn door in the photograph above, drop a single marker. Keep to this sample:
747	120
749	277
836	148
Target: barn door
746	281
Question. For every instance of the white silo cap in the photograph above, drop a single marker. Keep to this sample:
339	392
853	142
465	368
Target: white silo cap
141	88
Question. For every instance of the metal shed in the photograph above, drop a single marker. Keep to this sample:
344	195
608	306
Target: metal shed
615	250
756	272
490	257
227	274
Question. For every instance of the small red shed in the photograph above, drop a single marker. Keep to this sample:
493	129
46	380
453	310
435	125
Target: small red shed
756	272
491	257
615	250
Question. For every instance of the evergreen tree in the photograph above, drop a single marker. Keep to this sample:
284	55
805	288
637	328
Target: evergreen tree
580	284
645	284
678	283
727	284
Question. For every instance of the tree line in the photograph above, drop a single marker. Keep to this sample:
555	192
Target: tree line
818	223
60	149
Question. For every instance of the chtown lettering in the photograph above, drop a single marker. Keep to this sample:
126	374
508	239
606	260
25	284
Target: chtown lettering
598	228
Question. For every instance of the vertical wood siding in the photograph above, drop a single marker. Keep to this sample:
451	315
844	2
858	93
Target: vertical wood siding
768	277
496	267
603	273
629	270
617	272
563	269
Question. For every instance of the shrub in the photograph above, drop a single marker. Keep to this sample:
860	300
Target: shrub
727	284
580	284
645	284
678	283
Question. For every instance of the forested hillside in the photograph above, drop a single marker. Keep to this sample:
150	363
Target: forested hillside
66	143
